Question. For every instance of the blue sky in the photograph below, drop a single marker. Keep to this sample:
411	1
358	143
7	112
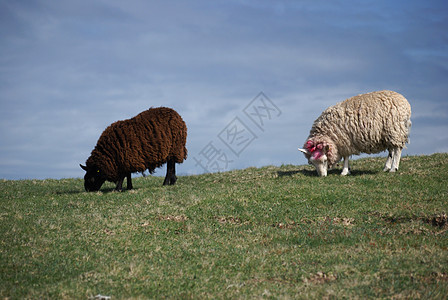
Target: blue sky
68	69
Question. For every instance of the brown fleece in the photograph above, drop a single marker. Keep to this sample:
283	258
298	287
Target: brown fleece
144	142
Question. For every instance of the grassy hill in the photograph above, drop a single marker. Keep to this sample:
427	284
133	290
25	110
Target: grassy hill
272	232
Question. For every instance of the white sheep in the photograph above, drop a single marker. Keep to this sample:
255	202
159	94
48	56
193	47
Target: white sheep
367	123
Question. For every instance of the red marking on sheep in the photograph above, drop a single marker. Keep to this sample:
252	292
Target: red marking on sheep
316	151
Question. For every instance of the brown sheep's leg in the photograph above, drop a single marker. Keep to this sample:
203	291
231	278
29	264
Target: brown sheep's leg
168	172
170	177
119	186
129	181
173	177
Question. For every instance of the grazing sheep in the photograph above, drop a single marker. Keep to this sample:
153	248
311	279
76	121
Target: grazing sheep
144	142
368	123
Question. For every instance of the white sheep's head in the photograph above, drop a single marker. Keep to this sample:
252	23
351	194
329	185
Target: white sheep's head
317	156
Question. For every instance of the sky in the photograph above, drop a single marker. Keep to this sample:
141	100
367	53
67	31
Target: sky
248	77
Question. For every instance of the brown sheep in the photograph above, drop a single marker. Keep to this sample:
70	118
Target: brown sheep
144	142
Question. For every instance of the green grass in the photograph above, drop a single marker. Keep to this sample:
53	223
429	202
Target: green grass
272	232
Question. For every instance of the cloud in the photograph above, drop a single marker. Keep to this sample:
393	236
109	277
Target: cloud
69	69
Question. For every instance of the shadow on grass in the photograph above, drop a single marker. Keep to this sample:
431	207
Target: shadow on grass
72	192
104	191
363	172
313	173
291	173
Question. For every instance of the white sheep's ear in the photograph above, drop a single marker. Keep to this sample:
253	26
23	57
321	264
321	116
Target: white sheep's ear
303	150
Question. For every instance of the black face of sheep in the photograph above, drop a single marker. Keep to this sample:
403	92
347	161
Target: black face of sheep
93	180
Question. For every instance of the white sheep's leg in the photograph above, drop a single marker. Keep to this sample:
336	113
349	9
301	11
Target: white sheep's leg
346	168
388	164
395	159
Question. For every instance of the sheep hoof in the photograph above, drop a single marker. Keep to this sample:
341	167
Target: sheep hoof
386	169
393	170
345	173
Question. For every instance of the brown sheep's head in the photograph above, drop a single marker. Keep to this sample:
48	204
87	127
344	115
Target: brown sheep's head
94	178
